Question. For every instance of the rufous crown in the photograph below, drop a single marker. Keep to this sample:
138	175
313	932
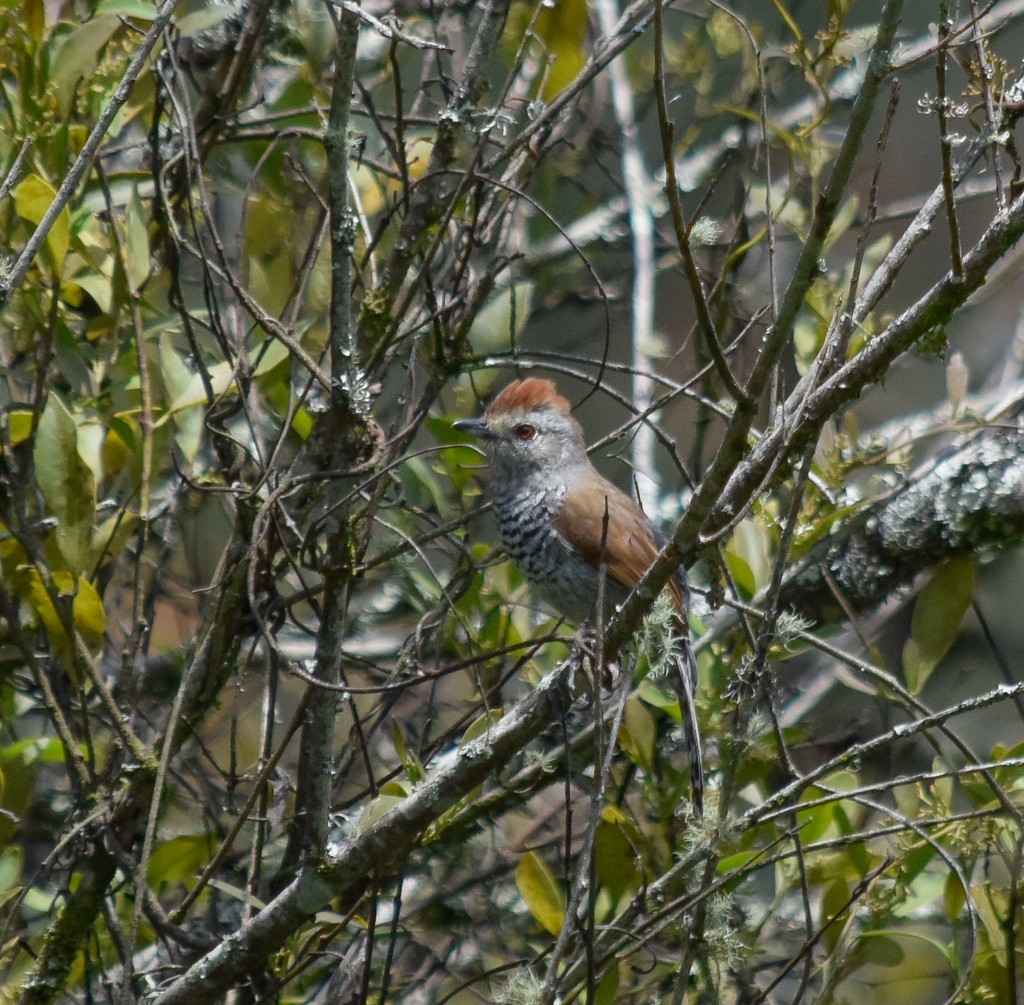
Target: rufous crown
528	394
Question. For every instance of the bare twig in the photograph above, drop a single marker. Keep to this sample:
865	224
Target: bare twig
13	279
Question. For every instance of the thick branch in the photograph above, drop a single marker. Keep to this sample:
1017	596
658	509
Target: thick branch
70	928
712	509
374	854
804	412
349	393
970	500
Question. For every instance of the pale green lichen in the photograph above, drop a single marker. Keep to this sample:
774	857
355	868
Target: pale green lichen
522	988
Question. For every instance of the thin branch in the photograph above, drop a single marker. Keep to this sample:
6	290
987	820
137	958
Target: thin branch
712	505
10	281
635	180
945	141
369	856
390	30
14	171
682	231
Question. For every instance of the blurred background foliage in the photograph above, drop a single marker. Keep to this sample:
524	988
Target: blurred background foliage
205	485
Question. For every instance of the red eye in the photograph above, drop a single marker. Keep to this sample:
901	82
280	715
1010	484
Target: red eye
524	431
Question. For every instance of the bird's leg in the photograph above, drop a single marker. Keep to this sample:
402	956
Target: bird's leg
587	653
585	643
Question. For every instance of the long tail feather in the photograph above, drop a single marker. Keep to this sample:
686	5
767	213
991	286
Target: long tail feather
685	683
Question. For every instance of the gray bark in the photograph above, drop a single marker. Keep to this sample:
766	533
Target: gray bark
968	500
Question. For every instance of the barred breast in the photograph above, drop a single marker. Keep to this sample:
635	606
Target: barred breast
566	580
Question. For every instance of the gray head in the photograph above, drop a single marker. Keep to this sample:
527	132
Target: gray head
527	431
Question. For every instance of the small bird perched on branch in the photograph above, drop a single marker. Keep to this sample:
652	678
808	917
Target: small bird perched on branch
551	505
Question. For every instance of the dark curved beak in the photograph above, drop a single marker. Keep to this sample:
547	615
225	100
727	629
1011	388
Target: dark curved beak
478	427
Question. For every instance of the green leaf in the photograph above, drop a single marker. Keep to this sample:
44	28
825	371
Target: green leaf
834	903
541	892
34	750
78	56
112	535
414	770
845	216
637	734
916	860
905	941
815	821
32	198
90	447
19	425
10	867
120	445
66	483
127	8
377	808
269	356
203	20
136	248
187	389
89	615
481	726
503	317
193	393
302	423
989	909
938	614
878	949
564	28
746	555
725	34
608	988
34	19
179	859
238	893
615	857
96	284
659	697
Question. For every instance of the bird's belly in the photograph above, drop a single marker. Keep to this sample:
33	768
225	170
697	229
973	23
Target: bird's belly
566	580
572	591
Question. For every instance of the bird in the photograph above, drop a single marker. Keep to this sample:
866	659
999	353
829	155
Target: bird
550	503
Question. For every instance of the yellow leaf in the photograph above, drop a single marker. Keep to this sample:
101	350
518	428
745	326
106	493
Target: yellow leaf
88	616
19	425
564	26
34	14
32	198
541	892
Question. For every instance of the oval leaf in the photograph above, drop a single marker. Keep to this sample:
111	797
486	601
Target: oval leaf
615	858
938	613
66	482
87	612
79	55
539	888
32	198
136	245
481	726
